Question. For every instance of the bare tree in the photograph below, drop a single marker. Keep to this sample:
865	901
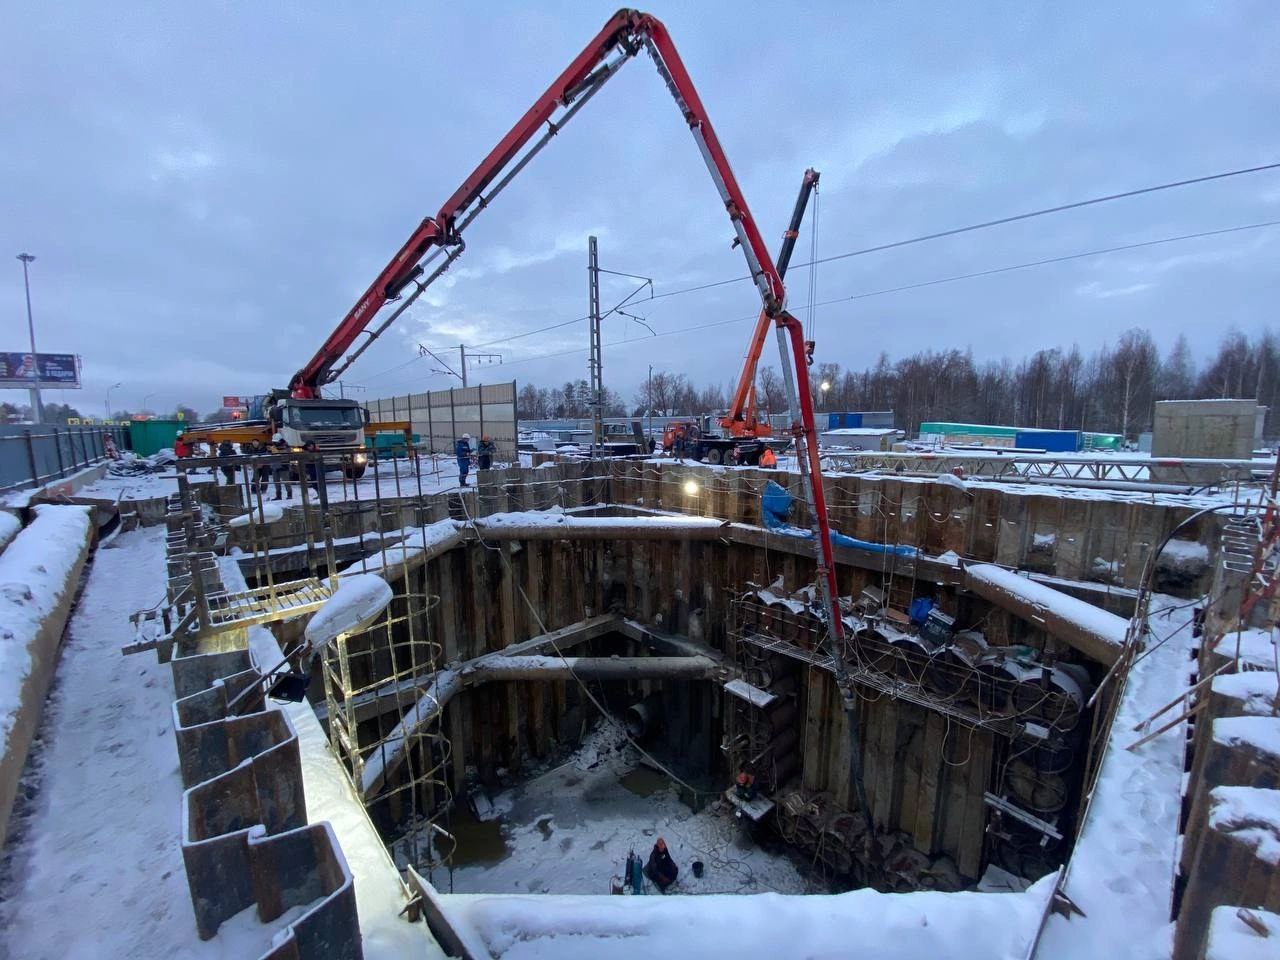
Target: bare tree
771	391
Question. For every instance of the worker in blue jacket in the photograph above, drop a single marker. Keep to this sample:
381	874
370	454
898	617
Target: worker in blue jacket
462	450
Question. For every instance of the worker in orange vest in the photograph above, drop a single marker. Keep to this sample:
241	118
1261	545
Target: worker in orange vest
768	459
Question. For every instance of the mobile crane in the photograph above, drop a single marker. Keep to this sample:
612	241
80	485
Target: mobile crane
745	430
626	34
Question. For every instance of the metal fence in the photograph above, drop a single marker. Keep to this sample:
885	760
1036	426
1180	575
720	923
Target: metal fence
35	454
442	416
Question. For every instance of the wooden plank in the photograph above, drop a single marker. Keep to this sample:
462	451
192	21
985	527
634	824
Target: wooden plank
973	828
928	814
910	747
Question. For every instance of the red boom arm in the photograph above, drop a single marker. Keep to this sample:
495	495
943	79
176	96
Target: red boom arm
628	31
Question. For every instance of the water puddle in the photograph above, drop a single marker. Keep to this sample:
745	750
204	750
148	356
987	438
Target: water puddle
480	842
644	782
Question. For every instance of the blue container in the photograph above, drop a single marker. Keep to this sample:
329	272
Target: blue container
837	420
1054	441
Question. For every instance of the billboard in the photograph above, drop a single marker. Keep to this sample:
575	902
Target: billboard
26	370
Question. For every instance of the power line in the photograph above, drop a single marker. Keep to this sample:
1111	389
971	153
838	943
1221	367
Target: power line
992	223
923	283
955	231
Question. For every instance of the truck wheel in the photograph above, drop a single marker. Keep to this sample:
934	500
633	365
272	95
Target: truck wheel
714	456
353	472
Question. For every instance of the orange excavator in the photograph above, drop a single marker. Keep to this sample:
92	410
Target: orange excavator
743	432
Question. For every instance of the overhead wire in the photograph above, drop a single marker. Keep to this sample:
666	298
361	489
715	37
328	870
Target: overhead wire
937	235
1046	261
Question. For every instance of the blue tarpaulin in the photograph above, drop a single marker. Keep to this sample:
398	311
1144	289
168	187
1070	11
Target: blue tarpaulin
775	507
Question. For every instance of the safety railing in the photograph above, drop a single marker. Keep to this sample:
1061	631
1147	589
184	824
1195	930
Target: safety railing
35	455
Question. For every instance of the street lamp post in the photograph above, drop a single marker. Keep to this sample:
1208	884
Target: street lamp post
144	402
648	395
37	414
823	388
107	405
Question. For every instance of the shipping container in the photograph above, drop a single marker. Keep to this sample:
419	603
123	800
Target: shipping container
148	436
1052	441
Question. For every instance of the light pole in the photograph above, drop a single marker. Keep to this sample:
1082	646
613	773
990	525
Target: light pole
648	395
823	387
107	405
144	401
37	414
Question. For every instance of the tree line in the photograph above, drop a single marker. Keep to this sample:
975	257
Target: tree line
1112	389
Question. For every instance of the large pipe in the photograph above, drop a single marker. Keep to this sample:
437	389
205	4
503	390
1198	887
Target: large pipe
447	684
519	526
588	668
1091	630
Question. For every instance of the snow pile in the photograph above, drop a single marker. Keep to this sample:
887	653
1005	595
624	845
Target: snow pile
1251	814
9	527
1255	648
269	513
951	480
1257	690
1260	733
1185	554
1230	938
1122	868
941	926
35	579
358	601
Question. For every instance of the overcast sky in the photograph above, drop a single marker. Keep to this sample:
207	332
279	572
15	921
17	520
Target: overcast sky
208	188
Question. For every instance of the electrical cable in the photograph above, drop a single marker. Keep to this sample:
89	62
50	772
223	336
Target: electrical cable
956	231
887	290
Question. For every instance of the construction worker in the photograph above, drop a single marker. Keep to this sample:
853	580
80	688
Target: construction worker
485	452
180	446
280	471
109	446
261	473
768	459
462	450
315	467
661	869
225	452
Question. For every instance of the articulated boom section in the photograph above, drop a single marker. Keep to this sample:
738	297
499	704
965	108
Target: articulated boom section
626	33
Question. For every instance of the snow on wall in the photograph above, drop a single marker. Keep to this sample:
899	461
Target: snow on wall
1257	690
1251	814
35	571
1121	871
864	923
1255	647
1261	733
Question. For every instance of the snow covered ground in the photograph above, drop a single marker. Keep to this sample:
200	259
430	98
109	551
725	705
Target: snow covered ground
1122	868
94	864
569	831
